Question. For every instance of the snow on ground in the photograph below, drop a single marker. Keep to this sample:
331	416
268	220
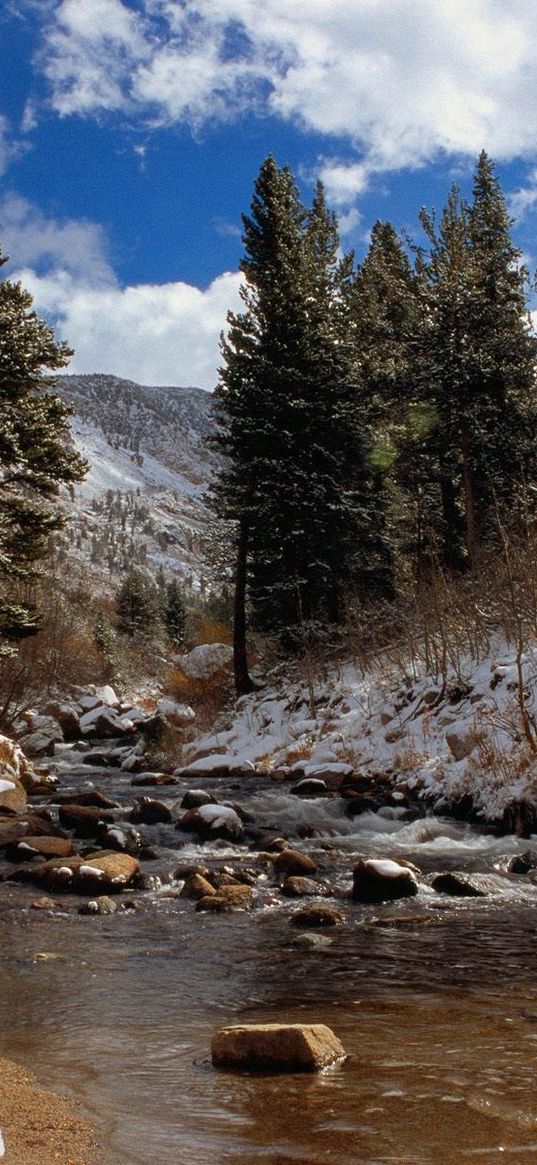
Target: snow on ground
120	469
440	740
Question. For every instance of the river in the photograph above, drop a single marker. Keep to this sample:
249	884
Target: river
434	999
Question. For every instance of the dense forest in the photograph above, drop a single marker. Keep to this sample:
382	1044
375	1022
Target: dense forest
378	420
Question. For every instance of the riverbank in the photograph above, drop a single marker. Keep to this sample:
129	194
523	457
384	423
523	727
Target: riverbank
40	1127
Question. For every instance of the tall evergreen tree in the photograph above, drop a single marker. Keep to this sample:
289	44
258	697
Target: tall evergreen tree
476	363
385	311
137	605
36	456
296	477
174	613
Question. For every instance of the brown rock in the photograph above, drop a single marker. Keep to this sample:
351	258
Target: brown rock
43	904
84	819
105	872
149	812
297	887
101	905
197	887
226	899
94	798
461	743
29	847
294	1047
13	797
318	914
463	885
290	861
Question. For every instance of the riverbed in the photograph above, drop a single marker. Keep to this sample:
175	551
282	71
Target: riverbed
434	999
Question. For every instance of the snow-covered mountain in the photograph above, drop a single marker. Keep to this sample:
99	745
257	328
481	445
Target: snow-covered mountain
150	466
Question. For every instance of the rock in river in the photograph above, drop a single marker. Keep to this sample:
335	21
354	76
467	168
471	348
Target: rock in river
291	861
382	881
318	914
294	1047
211	821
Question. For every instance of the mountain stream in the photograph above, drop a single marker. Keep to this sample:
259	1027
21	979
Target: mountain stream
434	999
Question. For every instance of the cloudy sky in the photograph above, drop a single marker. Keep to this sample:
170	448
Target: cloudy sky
131	133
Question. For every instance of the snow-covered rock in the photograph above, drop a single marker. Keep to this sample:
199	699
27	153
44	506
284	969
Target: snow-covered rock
178	714
211	821
207	659
382	880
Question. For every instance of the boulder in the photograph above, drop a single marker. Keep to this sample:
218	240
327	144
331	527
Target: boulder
107	695
193	798
101	905
227	898
461	742
28	847
310	787
84	820
92	797
13	761
12	828
42	741
104	872
89	701
178	714
215	764
318	914
146	811
197	887
13	798
66	716
461	885
206	660
523	863
291	861
212	821
103	722
292	1047
125	839
299	887
381	881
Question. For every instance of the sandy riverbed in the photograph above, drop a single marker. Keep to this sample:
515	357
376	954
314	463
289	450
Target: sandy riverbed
39	1127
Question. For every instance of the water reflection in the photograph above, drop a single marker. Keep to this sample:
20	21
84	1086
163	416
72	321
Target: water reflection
435	1002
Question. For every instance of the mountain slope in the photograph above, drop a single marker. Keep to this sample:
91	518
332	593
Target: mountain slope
150	466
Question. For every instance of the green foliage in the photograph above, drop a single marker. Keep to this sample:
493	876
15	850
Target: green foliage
137	606
175	614
35	453
297	481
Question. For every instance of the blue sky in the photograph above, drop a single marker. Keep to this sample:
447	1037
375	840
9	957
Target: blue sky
131	133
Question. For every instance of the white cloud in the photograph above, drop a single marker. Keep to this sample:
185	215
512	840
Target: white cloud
30	238
152	333
524	199
10	148
402	80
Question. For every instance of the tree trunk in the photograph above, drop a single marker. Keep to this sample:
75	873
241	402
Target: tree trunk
243	683
452	552
469	495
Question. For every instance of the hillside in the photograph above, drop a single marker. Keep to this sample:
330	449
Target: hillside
150	466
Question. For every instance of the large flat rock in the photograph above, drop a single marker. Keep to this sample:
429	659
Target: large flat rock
292	1047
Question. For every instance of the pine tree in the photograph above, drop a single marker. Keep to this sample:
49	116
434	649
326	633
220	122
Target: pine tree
174	613
36	456
385	310
288	422
476	360
137	605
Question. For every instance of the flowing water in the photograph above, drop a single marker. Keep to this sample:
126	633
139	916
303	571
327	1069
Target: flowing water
434	999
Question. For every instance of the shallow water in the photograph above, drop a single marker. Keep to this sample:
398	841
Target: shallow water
434	999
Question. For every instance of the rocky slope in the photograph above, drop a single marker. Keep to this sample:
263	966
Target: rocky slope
150	466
